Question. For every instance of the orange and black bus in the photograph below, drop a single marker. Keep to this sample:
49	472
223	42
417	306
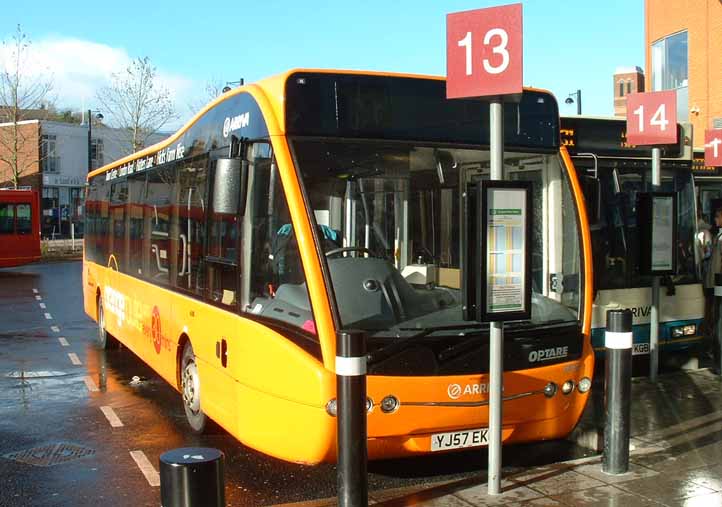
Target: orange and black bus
19	227
228	257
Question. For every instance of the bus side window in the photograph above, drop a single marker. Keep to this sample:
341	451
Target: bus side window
136	193
191	206
222	250
7	218
156	225
118	246
23	224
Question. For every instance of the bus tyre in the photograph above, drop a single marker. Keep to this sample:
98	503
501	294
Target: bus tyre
191	390
105	339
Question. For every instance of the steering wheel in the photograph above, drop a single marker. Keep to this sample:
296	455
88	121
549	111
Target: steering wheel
345	249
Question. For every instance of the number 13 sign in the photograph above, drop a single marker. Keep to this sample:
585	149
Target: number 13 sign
484	52
652	118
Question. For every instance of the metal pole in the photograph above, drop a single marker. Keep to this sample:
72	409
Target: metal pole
579	102
352	480
617	391
72	235
654	310
496	329
90	133
717	319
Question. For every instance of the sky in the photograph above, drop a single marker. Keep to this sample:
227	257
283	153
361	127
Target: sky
568	45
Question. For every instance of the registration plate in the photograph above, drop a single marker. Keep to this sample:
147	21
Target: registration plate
639	349
459	439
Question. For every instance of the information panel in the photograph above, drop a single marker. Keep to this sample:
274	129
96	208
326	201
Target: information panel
505	233
657	224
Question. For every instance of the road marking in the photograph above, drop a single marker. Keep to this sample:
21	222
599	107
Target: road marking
42	305
35	291
112	418
48	316
145	466
55	329
90	384
74	359
38	298
63	341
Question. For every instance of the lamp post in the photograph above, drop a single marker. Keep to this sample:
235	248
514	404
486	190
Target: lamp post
570	100
227	88
99	116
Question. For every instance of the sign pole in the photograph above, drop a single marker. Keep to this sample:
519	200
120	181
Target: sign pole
496	329
654	310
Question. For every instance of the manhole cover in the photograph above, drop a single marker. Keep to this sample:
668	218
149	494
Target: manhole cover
51	454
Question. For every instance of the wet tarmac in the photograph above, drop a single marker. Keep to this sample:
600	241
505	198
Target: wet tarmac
76	429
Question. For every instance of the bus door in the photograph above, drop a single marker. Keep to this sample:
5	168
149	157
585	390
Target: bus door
215	344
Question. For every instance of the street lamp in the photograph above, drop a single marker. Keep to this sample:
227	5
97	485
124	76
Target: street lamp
227	88
570	100
99	116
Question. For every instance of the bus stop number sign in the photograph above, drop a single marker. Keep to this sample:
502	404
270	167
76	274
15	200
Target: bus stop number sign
484	52
652	118
713	147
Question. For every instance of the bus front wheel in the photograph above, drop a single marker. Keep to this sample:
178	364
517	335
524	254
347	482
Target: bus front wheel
105	339
191	390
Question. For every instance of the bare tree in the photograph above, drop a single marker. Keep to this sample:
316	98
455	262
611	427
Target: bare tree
23	96
212	89
137	103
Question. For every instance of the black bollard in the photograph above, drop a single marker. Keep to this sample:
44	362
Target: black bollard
351	405
617	391
717	350
192	477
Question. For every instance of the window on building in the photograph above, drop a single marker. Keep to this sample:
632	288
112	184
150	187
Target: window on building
621	88
670	69
629	87
49	159
96	153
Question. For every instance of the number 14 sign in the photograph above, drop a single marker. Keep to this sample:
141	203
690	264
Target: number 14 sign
652	118
484	52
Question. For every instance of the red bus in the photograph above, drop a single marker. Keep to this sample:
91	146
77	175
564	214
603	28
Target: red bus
19	227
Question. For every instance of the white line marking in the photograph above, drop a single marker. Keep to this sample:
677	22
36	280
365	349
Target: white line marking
48	316
74	359
112	418
145	466
38	298
55	329
90	384
63	341
42	305
35	291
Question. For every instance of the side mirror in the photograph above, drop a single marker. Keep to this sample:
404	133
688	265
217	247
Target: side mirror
229	185
593	197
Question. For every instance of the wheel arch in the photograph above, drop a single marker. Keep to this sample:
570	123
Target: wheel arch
182	341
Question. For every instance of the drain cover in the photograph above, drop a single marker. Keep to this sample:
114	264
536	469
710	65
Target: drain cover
51	454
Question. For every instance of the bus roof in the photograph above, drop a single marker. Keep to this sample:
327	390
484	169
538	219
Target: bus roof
273	87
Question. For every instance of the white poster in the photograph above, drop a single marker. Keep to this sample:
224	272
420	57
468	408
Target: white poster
505	237
662	233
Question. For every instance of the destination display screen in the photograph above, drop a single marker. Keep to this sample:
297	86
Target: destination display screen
608	138
411	109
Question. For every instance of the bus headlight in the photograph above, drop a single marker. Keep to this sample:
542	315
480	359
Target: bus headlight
584	385
332	407
550	389
686	330
389	404
369	405
568	387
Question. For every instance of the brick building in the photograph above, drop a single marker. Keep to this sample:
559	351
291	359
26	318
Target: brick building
626	80
683	51
54	160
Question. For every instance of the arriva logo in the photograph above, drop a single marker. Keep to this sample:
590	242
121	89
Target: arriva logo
235	123
456	391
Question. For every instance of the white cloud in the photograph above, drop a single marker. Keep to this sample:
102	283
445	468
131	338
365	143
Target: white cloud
79	68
